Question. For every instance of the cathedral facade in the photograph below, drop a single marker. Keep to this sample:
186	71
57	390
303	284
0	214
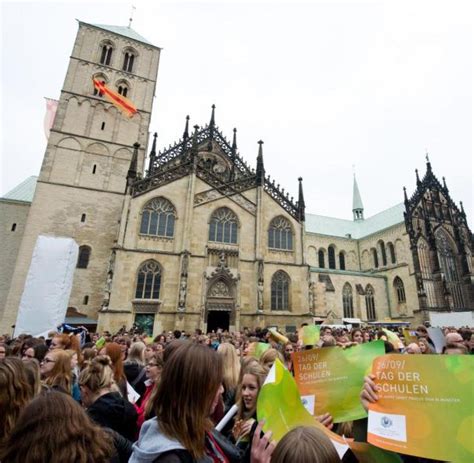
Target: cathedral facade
195	237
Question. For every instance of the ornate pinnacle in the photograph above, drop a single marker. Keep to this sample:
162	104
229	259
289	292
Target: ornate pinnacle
152	155
260	175
186	129
212	122
418	182
444	184
301	204
234	143
405	195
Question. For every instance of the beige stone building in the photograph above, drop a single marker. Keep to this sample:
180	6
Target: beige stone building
197	238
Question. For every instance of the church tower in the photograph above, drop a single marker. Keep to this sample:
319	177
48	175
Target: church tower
82	182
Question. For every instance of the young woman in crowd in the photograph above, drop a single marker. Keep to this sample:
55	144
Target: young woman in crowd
32	370
424	346
114	351
65	342
53	428
269	356
231	364
153	370
134	367
357	336
190	387
15	393
56	370
288	351
104	404
252	378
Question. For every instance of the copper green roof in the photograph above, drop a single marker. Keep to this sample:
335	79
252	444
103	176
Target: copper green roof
123	30
24	191
343	228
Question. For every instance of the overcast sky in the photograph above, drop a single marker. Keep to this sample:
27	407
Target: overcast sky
326	85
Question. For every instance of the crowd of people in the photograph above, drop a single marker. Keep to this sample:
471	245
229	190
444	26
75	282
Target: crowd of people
89	397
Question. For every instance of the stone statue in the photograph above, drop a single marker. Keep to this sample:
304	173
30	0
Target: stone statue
260	296
311	296
182	293
260	271
185	264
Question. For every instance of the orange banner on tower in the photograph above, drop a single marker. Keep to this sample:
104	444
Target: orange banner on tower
122	103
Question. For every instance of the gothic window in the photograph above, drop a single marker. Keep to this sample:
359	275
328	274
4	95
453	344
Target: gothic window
399	289
158	217
447	261
123	88
100	77
369	303
148	281
342	260
223	226
128	60
383	253
83	257
106	53
331	257
423	256
321	258
280	235
375	257
347	301
391	250
280	291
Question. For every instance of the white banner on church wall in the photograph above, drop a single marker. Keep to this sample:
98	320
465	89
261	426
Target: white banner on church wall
48	286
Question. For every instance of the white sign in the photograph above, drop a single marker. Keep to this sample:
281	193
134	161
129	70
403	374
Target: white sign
48	286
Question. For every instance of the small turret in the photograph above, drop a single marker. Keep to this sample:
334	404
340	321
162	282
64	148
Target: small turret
357	206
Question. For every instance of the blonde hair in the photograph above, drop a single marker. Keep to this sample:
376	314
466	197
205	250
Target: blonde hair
136	353
98	374
231	365
305	444
260	373
269	356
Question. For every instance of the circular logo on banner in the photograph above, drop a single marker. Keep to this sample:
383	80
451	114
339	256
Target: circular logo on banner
386	422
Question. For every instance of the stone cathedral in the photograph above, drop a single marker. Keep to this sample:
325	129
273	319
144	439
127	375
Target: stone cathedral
196	236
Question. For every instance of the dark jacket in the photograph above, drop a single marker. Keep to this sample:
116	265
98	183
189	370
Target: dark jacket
136	376
113	411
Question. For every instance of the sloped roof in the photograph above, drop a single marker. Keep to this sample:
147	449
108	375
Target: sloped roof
332	226
125	31
24	191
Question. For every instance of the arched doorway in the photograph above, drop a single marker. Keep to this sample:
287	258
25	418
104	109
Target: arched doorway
220	305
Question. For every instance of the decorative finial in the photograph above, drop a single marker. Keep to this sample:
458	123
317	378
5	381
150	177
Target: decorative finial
427	155
405	194
301	204
418	182
234	140
151	164
131	17
260	176
462	208
212	123
186	129
444	184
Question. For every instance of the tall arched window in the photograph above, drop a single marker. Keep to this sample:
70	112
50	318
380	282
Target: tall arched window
383	253
321	258
280	299
369	303
223	226
158	217
347	301
106	53
425	269
391	250
342	261
331	257
280	235
399	289
447	261
128	60
375	257
83	257
101	78
122	88
148	281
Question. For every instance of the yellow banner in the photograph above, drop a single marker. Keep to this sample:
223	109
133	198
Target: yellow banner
425	406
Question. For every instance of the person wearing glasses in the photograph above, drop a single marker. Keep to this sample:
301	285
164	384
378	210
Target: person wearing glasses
56	371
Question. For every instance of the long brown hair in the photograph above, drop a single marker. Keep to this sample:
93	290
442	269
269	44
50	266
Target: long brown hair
113	350
231	364
189	382
61	374
54	428
305	444
98	375
15	393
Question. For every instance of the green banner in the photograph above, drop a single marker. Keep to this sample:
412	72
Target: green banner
330	379
425	406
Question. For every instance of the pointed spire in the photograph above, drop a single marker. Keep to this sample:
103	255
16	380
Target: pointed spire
357	206
301	204
186	129
418	181
444	185
212	125
405	196
462	209
132	170
234	143
151	165
428	163
260	174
